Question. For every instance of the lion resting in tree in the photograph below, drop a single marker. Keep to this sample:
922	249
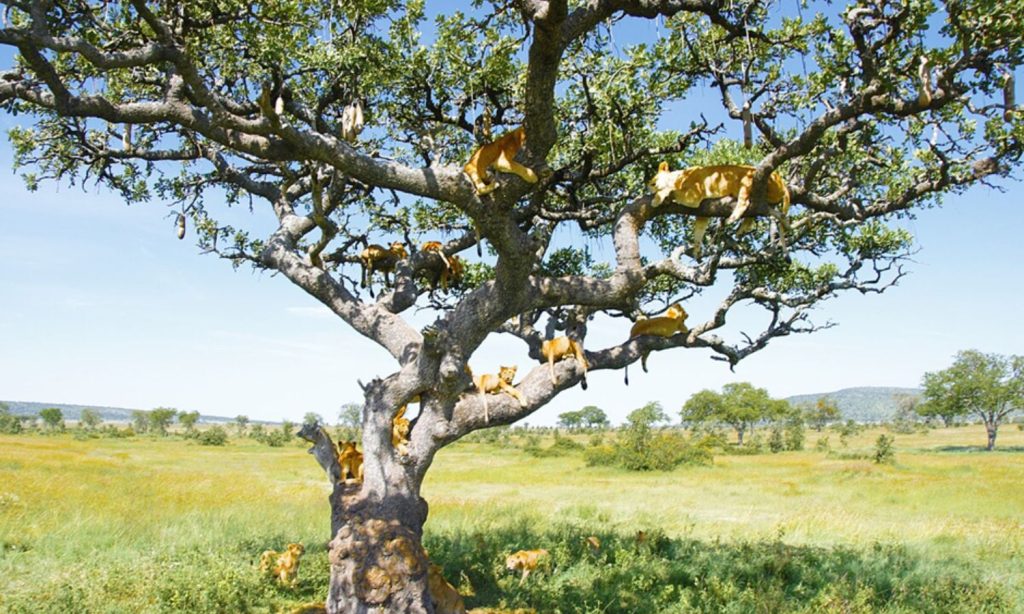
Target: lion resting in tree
563	347
351	462
691	186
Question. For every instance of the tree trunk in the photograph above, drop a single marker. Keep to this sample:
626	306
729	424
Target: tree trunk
739	434
991	429
377	560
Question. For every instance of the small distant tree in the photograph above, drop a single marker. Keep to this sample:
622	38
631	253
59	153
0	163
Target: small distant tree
571	420
823	413
846	430
312	418
794	435
906	418
987	386
140	421
9	423
53	418
188	419
884	452
350	422
90	419
160	419
593	417
287	430
241	422
258	432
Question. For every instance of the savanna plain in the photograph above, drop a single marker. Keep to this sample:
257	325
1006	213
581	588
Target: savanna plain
165	525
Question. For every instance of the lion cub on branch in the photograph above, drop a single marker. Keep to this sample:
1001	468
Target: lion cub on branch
501	155
489	383
674	321
690	186
561	348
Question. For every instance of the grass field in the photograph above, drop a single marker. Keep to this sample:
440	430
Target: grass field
163	525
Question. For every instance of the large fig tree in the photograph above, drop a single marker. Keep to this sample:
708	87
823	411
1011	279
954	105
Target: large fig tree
869	112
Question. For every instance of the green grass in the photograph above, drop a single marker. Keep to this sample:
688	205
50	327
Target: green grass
147	525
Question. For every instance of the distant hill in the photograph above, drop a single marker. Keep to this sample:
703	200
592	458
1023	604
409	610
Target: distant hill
108	414
865	404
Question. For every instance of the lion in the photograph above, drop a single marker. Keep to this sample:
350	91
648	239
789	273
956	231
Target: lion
690	186
443	595
451	270
400	431
378	258
674	321
489	383
525	561
282	565
501	155
563	347
351	462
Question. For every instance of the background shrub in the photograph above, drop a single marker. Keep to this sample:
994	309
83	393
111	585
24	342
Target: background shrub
213	436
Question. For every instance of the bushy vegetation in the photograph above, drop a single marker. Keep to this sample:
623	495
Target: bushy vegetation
661	574
213	436
640	446
9	423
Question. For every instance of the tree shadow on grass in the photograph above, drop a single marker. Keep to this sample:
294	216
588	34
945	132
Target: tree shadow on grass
972	449
660	574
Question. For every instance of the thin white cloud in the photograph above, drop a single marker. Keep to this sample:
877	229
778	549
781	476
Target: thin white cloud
320	313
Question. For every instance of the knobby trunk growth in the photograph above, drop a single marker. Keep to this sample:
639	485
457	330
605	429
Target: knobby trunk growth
213	103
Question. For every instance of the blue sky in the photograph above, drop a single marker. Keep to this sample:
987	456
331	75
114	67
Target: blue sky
100	304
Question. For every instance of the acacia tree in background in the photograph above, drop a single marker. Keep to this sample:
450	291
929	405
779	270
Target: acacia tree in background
350	421
571	420
90	419
824	412
140	421
740	406
188	419
593	417
987	386
209	103
53	418
241	424
160	419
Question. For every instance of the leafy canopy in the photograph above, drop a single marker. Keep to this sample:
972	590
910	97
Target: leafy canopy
214	104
